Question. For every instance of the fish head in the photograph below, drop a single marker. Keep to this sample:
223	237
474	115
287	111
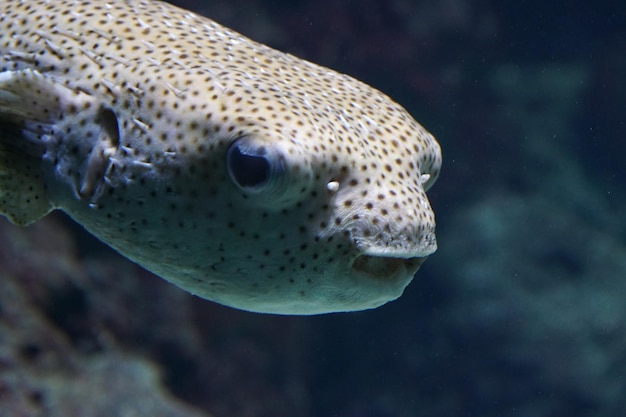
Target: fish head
242	174
320	210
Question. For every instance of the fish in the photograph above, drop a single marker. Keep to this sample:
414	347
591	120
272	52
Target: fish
242	174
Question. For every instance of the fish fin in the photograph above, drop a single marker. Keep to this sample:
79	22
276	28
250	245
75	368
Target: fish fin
29	101
28	95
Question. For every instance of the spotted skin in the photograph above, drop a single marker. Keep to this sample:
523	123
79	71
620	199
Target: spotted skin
243	174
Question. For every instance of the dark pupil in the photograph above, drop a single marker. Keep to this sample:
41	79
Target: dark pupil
248	170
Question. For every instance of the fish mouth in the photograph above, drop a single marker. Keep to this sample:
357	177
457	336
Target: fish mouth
387	268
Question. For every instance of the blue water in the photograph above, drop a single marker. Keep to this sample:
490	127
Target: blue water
522	310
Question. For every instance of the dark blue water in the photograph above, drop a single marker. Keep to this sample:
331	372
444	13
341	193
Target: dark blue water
522	310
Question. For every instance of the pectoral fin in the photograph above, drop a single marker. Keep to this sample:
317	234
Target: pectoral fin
29	104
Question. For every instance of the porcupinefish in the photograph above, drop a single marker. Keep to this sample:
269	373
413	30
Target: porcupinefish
242	174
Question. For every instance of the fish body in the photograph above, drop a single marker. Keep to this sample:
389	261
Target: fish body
242	174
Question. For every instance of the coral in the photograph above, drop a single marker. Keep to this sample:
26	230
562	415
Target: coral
55	360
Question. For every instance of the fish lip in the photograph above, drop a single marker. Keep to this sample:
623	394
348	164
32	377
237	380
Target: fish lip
403	244
387	268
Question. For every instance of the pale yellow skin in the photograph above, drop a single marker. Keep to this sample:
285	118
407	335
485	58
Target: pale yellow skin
122	114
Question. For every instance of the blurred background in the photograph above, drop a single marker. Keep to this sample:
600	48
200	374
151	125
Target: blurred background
521	311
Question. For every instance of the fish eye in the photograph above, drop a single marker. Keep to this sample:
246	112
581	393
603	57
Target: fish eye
253	167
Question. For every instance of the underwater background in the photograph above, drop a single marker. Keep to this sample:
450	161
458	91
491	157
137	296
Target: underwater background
520	312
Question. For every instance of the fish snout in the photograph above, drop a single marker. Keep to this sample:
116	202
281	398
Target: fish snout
374	237
390	251
389	230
